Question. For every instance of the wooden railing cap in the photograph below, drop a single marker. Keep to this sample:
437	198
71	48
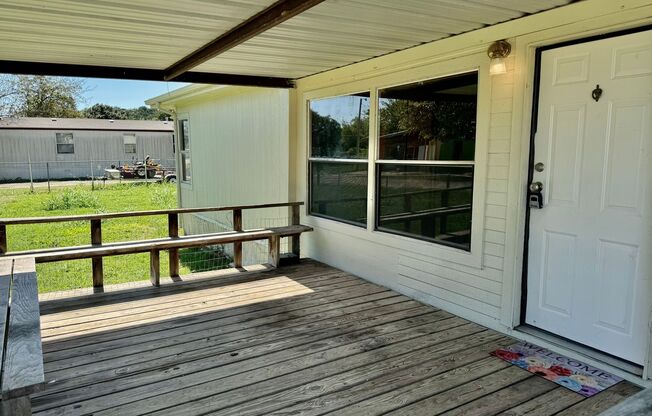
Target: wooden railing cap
89	217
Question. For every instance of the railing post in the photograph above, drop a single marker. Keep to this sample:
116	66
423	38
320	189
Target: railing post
274	250
173	232
295	219
96	240
155	268
237	246
3	239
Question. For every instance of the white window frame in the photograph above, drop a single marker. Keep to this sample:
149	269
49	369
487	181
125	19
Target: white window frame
443	163
125	144
184	152
335	160
440	69
72	138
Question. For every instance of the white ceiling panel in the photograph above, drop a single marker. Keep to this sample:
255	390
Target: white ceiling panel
154	34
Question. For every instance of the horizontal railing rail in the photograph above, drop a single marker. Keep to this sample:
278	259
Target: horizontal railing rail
135	245
106	216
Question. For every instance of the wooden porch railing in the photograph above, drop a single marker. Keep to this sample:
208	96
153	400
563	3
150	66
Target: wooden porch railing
97	250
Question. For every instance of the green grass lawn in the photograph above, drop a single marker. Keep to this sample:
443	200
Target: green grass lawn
82	200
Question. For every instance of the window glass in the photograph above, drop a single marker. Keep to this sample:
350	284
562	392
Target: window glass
184	133
429	120
130	143
339	191
65	143
184	144
185	167
429	202
339	127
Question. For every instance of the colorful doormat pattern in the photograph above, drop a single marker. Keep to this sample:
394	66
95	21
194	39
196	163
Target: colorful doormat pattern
569	373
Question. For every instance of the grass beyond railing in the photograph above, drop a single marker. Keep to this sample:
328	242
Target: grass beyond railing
98	250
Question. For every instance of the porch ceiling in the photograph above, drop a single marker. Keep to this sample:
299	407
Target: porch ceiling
153	35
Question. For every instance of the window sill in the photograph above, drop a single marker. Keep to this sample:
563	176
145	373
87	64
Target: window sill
425	248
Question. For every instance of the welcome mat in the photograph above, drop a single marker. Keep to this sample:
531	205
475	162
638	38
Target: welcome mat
572	374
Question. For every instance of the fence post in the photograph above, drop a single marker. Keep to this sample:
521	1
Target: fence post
3	239
47	172
92	177
31	178
295	219
237	247
96	240
173	232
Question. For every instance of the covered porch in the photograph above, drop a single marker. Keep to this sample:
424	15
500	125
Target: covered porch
309	338
303	339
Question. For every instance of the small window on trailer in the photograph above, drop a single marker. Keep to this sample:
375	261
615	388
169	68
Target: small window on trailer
129	143
65	143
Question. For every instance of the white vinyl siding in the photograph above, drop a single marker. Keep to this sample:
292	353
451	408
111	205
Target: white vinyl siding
239	156
484	286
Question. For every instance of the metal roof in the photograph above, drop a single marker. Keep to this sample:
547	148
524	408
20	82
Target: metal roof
154	34
45	123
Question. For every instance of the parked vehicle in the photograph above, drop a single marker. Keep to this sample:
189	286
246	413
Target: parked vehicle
139	170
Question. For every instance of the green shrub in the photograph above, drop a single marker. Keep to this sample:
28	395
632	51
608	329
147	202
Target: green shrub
75	197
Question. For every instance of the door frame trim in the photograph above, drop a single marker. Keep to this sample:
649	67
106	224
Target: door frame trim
536	84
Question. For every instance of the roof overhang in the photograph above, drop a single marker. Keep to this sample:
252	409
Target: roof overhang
236	42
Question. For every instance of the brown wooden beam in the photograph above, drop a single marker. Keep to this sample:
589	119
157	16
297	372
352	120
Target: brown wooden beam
274	15
91	71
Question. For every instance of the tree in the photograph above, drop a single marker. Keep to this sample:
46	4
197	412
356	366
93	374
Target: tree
326	135
105	112
355	137
40	96
446	121
109	112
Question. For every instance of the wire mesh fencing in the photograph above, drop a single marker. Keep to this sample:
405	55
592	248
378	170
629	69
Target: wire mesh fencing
253	252
51	172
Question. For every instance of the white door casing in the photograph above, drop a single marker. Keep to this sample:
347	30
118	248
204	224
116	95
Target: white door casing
590	246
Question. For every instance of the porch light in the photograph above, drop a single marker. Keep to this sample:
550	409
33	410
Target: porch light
497	52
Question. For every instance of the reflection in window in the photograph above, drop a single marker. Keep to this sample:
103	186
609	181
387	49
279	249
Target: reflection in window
184	145
426	201
340	127
339	140
430	120
339	191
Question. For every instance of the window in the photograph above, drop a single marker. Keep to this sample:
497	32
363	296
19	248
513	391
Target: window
130	143
184	147
65	144
426	147
339	143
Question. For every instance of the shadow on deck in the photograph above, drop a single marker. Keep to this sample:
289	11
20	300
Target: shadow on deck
305	339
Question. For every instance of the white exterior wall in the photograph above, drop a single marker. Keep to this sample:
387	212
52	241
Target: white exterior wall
104	147
239	155
485	285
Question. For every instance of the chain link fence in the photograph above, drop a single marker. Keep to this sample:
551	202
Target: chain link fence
84	170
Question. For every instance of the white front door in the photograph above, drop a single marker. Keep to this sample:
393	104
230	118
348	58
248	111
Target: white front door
590	246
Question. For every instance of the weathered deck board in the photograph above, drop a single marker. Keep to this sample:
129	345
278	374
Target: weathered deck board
301	340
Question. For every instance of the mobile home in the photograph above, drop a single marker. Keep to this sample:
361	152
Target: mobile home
462	177
502	174
69	148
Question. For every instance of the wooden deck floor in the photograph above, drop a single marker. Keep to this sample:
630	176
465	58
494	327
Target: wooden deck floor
302	340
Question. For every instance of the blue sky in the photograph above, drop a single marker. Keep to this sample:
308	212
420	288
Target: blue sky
122	93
